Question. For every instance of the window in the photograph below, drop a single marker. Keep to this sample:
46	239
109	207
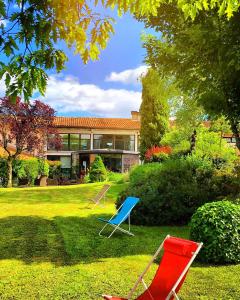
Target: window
125	142
65	142
74	142
66	162
132	143
113	162
103	141
85	141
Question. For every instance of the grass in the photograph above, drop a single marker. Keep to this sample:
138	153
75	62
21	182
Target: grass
50	249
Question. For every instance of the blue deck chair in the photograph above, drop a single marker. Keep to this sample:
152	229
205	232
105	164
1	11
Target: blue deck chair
122	214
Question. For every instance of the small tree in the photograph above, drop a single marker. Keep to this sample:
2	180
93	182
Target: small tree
24	127
98	171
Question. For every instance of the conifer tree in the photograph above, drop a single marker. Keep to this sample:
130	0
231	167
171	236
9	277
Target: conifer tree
98	171
155	112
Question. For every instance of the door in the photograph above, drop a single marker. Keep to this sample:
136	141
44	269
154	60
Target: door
84	162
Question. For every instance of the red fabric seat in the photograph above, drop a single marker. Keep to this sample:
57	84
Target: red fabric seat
177	254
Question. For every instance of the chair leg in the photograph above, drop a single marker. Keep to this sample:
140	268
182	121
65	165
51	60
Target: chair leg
120	229
102	229
112	232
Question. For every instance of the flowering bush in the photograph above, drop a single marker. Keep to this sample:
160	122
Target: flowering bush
157	153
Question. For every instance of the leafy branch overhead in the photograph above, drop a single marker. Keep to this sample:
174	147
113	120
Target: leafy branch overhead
31	33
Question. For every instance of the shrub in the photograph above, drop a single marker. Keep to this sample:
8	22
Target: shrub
28	169
217	225
171	191
115	177
86	179
54	169
43	167
98	171
212	145
157	154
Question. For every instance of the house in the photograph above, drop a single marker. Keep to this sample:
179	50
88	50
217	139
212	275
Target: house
116	140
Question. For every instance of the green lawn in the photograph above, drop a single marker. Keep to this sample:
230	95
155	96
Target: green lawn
50	249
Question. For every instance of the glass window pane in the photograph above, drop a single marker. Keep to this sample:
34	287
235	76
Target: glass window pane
119	144
74	142
125	142
66	162
112	162
85	136
98	136
64	138
85	140
104	141
85	144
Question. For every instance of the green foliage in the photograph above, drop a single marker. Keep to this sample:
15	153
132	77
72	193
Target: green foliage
97	171
171	191
43	167
217	225
3	172
45	24
210	144
187	112
86	179
54	169
160	157
156	93
184	51
178	139
28	169
115	177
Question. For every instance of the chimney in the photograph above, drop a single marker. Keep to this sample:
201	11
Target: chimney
135	115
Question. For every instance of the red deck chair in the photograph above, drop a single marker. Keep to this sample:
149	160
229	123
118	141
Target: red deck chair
177	258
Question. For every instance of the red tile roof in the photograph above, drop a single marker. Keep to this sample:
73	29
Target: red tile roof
23	155
99	123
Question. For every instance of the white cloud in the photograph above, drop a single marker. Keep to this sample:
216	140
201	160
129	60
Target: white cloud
2	87
130	76
3	22
67	95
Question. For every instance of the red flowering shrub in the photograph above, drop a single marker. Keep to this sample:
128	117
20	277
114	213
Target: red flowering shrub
157	153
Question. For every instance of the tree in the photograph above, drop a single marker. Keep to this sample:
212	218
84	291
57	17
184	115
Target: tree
203	56
25	127
154	110
188	114
98	171
34	29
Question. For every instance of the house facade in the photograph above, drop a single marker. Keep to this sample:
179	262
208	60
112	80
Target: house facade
116	140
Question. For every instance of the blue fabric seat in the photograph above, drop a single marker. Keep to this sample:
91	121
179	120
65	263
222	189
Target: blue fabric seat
122	215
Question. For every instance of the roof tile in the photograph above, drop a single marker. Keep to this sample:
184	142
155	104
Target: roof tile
99	123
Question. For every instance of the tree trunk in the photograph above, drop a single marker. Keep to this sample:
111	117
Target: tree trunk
9	165
235	130
193	141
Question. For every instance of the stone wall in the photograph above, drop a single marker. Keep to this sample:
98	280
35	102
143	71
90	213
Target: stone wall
129	160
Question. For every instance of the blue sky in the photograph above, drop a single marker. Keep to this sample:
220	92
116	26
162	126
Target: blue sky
107	87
